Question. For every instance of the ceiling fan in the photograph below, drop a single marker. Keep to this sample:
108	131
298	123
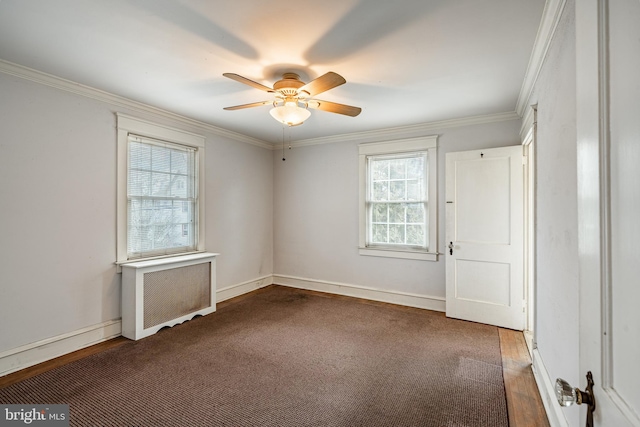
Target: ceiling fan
293	97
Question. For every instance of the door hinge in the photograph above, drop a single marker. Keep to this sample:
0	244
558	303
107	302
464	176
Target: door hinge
525	160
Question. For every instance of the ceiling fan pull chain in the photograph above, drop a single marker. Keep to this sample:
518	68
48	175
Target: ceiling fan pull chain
283	159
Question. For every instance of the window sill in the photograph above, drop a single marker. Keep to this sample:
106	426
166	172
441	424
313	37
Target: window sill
394	253
166	259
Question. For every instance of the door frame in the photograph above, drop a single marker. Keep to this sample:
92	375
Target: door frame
528	135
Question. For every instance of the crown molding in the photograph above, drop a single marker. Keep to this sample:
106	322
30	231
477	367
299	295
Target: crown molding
119	101
401	132
365	136
528	120
550	18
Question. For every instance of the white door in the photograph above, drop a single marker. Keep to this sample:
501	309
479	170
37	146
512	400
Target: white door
608	131
484	236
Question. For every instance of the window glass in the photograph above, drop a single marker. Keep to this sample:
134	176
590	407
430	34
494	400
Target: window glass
397	200
161	198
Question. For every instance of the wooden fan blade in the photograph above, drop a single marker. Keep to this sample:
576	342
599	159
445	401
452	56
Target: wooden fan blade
333	107
323	83
246	81
255	104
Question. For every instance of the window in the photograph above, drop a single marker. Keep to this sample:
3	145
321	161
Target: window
160	190
398	199
161	182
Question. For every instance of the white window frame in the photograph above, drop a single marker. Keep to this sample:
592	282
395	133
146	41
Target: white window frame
428	144
127	125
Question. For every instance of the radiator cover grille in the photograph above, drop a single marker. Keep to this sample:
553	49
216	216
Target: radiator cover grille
169	294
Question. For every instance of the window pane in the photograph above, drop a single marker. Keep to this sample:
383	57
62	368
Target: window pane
178	237
162	212
396	213
182	216
179	186
379	234
160	159
179	162
415	190
415	235
139	156
381	191
146	212
398	169
415	168
139	183
397	190
160	184
140	239
140	212
133	239
396	234
379	212
415	213
161	236
146	233
380	169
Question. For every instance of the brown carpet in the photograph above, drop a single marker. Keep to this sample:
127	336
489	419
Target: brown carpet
286	357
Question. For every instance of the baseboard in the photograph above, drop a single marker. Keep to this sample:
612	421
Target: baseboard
528	339
393	297
243	288
31	354
547	393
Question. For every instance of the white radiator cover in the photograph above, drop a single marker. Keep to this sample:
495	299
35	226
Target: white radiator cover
166	292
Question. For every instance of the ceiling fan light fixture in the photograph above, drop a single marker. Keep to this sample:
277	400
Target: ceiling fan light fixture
294	97
290	114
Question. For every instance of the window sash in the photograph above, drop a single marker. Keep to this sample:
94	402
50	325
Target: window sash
157	195
396	232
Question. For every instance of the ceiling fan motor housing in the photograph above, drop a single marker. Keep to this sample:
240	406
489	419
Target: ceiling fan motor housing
289	84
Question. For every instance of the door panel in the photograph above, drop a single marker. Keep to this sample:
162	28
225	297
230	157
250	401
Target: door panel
608	128
485	282
624	42
484	192
480	181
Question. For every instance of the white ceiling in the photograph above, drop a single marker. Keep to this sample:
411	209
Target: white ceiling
406	62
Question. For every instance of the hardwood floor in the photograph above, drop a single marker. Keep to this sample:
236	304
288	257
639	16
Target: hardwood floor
524	404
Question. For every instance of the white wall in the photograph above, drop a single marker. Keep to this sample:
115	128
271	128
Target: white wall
557	328
316	213
57	218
